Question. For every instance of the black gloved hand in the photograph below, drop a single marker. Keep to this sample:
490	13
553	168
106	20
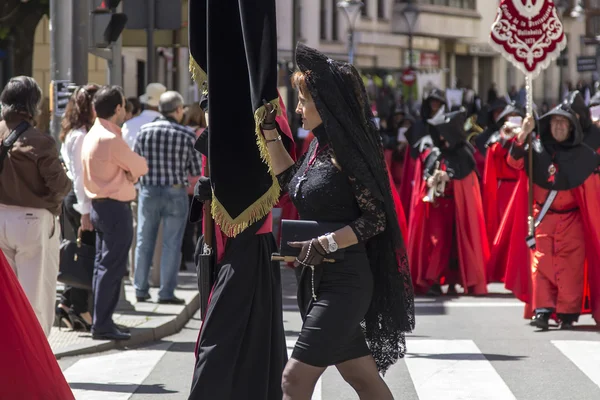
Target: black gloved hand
203	189
312	253
269	121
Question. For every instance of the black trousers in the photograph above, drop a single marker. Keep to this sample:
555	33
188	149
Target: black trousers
75	298
113	222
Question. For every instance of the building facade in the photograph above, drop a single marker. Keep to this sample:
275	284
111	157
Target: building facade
450	46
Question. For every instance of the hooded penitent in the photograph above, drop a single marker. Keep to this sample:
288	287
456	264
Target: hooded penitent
499	181
341	100
458	214
486	119
566	166
238	50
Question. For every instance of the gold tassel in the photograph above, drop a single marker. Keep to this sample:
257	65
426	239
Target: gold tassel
198	74
261	207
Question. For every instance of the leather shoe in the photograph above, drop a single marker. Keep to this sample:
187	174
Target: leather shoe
114	334
122	328
173	300
142	299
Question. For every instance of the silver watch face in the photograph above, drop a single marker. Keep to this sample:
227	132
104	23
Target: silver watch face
333	247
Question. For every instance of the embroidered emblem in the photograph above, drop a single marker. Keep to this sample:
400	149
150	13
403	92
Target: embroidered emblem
552	169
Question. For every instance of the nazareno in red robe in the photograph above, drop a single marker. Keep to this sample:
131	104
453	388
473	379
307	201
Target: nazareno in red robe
28	368
499	182
424	244
511	251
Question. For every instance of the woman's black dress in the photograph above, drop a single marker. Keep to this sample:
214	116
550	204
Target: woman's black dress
331	333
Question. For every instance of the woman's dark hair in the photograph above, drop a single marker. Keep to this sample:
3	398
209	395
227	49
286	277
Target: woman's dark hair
79	112
194	116
136	106
107	99
21	96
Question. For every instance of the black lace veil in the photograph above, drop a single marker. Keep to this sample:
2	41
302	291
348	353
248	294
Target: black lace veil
341	100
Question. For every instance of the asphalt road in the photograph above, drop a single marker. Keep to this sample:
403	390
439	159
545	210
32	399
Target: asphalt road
464	348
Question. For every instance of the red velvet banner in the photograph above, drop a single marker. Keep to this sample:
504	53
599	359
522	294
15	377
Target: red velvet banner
528	33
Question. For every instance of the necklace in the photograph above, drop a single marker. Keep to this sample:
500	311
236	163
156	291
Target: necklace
311	161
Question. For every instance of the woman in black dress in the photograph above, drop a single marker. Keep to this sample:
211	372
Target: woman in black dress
357	310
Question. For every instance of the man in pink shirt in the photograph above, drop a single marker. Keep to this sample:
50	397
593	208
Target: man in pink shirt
110	169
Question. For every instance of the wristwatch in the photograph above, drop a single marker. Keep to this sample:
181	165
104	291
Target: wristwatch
332	245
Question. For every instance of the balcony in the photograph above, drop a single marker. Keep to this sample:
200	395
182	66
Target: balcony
451	19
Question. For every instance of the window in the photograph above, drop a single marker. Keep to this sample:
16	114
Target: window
323	21
466	4
381	9
594	4
593	26
364	11
334	20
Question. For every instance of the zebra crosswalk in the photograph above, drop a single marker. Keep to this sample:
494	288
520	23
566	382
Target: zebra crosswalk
433	369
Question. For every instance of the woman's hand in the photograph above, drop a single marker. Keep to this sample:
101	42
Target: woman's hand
269	123
86	223
312	253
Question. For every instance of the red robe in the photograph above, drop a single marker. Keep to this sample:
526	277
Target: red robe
511	250
395	168
432	228
499	181
28	368
480	161
407	181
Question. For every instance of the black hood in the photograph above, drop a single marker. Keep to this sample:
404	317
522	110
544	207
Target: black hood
435	94
576	136
451	126
576	102
512	108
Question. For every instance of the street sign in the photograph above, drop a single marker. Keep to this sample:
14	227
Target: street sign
586	64
409	77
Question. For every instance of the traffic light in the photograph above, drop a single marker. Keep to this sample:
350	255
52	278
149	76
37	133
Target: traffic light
106	23
60	93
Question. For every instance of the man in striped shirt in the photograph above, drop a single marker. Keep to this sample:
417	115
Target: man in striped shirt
168	147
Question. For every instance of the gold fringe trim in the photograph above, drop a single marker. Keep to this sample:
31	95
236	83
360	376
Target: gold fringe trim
258	210
261	207
198	74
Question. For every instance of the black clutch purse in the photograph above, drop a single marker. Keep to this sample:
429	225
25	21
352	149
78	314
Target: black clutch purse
76	264
299	231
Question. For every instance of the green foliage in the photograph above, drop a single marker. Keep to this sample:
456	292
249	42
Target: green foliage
4	31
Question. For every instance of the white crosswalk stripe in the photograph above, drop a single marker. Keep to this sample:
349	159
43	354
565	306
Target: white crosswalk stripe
125	370
432	370
584	354
453	370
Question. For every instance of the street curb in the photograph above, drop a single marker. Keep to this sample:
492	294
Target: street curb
155	329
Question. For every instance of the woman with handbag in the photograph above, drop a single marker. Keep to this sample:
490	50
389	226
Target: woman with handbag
356	309
73	309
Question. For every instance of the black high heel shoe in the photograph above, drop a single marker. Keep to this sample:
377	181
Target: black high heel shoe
63	318
79	324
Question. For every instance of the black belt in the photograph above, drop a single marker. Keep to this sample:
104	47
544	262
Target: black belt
105	199
570	210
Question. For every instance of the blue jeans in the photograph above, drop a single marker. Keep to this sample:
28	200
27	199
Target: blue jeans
155	204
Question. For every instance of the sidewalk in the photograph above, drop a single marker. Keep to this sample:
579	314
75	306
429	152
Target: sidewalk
149	321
